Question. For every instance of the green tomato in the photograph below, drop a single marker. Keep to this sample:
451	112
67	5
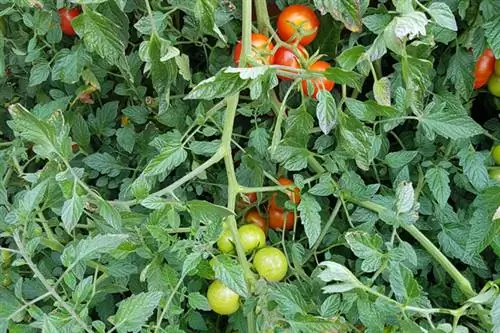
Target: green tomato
497	67
271	264
495	153
494	85
222	300
225	243
495	174
251	237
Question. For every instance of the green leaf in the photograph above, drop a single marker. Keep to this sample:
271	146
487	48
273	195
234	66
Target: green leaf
289	299
442	15
163	67
206	213
309	210
341	76
369	110
125	137
205	148
404	286
376	23
104	163
495	314
399	159
370	316
110	214
190	263
326	111
474	168
230	273
90	248
492	33
405	197
410	25
349	58
133	312
450	125
346	11
39	73
382	91
171	155
198	301
439	183
460	73
343	279
137	114
80	130
367	248
69	64
204	11
259	139
72	210
100	35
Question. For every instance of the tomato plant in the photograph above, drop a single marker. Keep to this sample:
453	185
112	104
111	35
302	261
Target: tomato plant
485	66
262	49
495	153
285	56
298	21
271	264
66	15
222	300
253	216
319	83
139	164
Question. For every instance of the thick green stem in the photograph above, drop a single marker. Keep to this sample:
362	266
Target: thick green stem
263	21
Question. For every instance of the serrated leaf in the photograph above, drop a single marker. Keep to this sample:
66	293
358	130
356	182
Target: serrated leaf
410	25
163	70
205	212
230	273
492	33
309	215
198	301
442	15
345	11
474	168
90	248
69	64
172	154
133	312
382	91
404	286
451	125
289	299
341	76
460	74
367	248
326	111
342	277
190	263
71	212
439	184
405	197
376	23
399	159
104	163
39	73
125	137
349	58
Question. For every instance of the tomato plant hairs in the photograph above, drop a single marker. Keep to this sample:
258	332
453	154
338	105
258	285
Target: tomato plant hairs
188	166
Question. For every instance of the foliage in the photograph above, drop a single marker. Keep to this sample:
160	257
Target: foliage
126	151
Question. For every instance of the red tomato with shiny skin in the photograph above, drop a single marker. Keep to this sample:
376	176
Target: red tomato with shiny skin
319	83
67	15
262	49
485	66
279	219
285	57
254	217
298	19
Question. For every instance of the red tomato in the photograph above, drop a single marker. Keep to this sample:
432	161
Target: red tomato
285	57
485	66
298	20
279	219
254	217
262	48
67	15
319	83
246	199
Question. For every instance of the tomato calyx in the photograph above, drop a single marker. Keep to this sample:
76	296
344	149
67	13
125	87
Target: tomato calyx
298	22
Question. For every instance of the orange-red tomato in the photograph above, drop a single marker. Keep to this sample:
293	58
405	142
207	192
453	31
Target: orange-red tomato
280	219
67	15
293	195
262	48
285	57
246	199
485	66
254	217
319	83
295	20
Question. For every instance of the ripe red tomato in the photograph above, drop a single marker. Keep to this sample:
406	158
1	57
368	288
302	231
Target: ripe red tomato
295	20
271	264
279	218
319	83
251	237
254	217
285	57
67	15
246	199
494	85
222	300
495	153
485	65
262	48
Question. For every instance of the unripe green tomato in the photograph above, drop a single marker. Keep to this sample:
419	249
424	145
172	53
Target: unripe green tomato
225	243
271	264
495	174
494	85
495	153
497	67
251	237
6	258
222	300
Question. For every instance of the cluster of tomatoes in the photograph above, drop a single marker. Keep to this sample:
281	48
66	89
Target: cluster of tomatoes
495	172
269	262
487	71
297	25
